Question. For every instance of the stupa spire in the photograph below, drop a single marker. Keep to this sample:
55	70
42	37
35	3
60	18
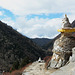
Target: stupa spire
66	25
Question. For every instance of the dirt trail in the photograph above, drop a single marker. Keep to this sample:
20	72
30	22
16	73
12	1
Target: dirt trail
37	69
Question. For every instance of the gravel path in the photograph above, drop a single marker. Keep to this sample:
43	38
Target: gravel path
37	69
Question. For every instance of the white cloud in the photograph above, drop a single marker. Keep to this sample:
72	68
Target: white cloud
35	27
1	13
71	17
24	7
9	22
38	27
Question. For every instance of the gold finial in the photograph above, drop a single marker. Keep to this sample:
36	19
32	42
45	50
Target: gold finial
65	15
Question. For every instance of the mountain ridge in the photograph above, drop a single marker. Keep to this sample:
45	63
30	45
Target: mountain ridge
41	41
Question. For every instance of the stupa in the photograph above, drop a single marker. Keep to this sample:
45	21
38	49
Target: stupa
62	49
66	26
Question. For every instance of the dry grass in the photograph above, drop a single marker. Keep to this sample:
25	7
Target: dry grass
47	59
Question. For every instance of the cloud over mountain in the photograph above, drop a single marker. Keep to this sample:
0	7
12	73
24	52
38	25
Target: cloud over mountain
36	26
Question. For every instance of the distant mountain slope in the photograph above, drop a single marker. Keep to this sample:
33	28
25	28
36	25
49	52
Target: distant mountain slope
41	41
49	45
15	47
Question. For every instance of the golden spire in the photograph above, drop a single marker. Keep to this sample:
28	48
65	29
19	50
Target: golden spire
65	15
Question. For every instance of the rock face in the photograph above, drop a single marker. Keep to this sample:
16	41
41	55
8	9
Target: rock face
68	69
62	49
72	58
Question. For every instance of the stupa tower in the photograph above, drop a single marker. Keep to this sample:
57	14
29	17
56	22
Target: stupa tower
62	49
66	27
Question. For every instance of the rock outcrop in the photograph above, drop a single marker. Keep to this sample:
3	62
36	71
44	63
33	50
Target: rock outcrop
62	49
68	69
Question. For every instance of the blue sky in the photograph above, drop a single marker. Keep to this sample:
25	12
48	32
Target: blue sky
8	13
50	16
36	18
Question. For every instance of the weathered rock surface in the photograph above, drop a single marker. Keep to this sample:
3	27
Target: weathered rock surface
66	70
62	49
72	58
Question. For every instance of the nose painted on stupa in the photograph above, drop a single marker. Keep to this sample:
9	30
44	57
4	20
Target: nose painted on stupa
66	26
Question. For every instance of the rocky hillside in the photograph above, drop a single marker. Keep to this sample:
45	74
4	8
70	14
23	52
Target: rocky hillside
15	47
